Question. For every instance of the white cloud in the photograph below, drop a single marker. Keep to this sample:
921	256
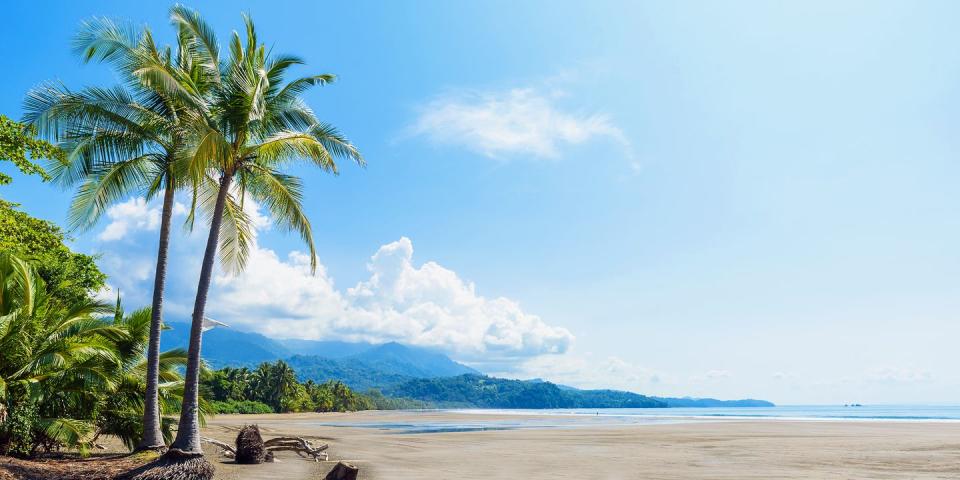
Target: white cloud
129	215
132	215
425	305
517	121
107	294
431	305
277	296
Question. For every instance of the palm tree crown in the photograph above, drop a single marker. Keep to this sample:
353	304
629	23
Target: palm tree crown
254	125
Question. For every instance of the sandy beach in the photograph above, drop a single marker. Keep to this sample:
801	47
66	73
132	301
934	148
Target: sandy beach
583	448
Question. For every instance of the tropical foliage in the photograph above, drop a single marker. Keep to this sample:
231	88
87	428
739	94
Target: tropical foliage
275	386
20	146
69	277
224	126
481	391
68	372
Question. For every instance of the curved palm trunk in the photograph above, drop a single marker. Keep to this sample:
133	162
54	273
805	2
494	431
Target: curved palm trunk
188	431
152	436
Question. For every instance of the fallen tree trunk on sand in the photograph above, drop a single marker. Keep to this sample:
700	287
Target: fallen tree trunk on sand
298	445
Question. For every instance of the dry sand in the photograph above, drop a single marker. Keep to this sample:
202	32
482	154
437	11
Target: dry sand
733	449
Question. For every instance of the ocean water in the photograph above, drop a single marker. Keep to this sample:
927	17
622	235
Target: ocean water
795	412
428	421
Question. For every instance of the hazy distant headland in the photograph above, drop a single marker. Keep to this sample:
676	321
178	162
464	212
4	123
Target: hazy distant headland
416	373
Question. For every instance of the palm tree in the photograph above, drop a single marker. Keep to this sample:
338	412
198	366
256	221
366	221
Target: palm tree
273	384
257	124
123	141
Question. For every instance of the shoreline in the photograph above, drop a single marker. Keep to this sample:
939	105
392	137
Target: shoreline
714	448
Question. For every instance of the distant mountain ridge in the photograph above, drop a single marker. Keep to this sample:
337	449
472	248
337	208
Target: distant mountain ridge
687	402
227	347
413	372
360	365
378	366
481	391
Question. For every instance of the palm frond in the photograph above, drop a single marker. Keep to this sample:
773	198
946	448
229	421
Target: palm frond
236	237
105	40
197	30
283	197
100	190
336	144
69	432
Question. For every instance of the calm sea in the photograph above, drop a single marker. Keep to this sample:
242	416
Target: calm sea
427	421
811	412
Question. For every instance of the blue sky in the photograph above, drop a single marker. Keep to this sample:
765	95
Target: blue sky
736	199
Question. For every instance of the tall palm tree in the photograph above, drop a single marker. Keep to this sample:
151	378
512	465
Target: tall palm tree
258	124
124	141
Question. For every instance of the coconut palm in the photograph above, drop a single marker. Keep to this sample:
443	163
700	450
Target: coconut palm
257	125
273	383
121	142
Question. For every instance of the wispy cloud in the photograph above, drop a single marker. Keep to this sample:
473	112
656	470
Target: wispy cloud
899	375
515	122
585	370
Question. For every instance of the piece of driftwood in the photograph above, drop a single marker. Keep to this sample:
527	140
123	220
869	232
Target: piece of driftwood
298	445
342	471
227	450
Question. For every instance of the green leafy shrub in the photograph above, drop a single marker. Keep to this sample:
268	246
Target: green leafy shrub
239	406
68	373
69	277
19	430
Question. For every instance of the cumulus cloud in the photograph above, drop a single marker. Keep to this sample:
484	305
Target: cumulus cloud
431	305
420	304
518	121
278	296
133	215
426	305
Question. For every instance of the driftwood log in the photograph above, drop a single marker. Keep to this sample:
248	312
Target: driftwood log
298	445
342	471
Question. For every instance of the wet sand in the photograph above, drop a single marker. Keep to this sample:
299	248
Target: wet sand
588	448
